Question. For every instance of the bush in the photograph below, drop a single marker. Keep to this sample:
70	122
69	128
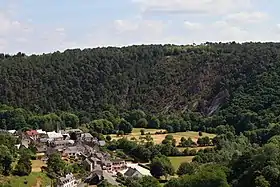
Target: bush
192	152
142	123
186	168
108	138
168	137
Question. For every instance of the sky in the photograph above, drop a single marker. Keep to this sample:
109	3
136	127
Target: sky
42	26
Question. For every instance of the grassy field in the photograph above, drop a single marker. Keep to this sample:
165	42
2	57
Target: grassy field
35	179
36	165
157	138
177	160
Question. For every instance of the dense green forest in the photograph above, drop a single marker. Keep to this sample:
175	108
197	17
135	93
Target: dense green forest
229	89
214	84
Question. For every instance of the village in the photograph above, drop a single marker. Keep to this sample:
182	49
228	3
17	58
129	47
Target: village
76	146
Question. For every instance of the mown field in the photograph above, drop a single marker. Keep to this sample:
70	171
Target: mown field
177	160
157	138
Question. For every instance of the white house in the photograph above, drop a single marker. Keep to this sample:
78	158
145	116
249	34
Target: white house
67	181
135	170
54	135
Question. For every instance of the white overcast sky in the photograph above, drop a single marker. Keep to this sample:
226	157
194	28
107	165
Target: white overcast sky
37	26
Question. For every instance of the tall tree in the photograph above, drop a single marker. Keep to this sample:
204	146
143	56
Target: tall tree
161	166
24	165
125	126
56	164
6	160
208	176
186	168
70	120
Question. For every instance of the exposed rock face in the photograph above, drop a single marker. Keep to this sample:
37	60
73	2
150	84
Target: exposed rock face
221	98
213	105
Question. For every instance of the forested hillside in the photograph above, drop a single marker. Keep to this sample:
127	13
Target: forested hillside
232	90
228	83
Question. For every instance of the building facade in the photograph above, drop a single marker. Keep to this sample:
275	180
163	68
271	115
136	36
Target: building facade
67	181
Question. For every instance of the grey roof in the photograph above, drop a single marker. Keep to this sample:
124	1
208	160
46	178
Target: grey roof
41	148
98	172
89	149
106	162
74	149
63	142
94	159
130	172
50	151
86	135
98	167
99	155
43	140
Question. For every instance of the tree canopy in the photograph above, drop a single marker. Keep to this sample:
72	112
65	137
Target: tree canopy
227	83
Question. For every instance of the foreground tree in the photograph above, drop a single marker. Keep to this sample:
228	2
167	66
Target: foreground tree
145	181
125	126
148	181
55	164
161	166
24	165
207	176
6	160
186	168
105	183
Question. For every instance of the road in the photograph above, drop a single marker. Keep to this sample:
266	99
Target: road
109	178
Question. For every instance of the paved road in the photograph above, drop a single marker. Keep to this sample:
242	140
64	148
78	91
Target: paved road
109	178
82	185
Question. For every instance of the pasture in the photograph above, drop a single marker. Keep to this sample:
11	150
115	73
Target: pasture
157	138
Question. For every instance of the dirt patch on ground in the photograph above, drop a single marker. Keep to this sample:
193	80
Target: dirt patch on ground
37	164
38	182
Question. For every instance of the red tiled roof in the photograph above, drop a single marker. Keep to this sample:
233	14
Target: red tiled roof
32	133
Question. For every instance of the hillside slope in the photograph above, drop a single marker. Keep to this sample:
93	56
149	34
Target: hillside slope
155	78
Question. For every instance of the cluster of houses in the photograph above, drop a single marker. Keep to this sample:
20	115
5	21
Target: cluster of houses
46	143
74	144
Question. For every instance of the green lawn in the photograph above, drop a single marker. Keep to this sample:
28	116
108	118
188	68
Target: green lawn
177	160
33	180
